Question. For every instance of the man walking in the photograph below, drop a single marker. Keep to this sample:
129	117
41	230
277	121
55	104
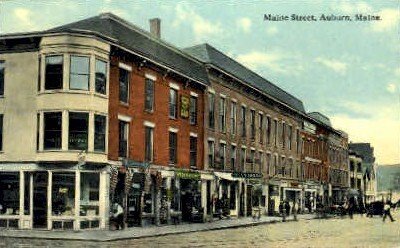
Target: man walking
386	211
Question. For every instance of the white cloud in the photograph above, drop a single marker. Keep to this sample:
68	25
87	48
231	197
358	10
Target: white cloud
272	30
24	17
244	24
333	64
201	26
347	7
391	87
275	60
390	20
381	129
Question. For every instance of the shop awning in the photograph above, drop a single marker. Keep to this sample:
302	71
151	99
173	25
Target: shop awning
226	176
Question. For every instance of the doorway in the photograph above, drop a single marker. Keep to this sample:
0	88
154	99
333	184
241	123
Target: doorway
40	182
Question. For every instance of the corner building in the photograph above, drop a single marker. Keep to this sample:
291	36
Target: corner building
54	112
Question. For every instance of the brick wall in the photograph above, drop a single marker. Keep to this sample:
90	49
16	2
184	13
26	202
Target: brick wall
135	110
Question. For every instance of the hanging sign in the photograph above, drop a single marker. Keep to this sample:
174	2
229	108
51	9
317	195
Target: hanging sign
187	175
246	175
185	102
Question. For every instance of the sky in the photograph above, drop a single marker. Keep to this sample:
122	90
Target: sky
349	71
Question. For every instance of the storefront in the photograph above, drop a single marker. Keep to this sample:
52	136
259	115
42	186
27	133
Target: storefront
273	198
190	202
253	191
228	192
53	196
293	194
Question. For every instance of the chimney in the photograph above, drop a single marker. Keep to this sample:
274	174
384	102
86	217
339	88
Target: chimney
155	27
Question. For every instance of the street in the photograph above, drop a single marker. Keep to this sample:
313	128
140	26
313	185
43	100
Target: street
359	232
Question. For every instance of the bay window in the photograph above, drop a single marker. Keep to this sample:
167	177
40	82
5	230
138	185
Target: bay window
52	130
79	73
101	77
100	122
54	72
78	131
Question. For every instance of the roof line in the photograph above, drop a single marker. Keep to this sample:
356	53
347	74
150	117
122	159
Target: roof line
145	33
262	92
258	75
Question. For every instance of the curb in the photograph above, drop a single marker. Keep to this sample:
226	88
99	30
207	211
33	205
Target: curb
160	234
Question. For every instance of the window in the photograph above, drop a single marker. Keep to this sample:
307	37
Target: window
37	131
52	130
211	152
268	129
242	158
78	131
193	110
173	146
269	168
54	72
193	152
63	193
2	69
79	73
233	117
148	144
123	139
222	114
124	76
149	95
101	77
243	117
252	159
298	141
290	134
211	110
260	127
90	183
9	193
283	135
233	157
1	132
276	132
173	103
260	161
252	124
222	154
100	133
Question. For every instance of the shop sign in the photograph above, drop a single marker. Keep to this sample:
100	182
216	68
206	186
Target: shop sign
133	163
246	175
187	175
185	106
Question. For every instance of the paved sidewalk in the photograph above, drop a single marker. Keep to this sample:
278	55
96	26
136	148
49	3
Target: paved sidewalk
142	232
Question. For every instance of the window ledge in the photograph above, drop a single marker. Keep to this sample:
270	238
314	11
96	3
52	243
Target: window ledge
124	104
149	111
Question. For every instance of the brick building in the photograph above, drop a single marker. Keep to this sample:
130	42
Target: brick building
251	129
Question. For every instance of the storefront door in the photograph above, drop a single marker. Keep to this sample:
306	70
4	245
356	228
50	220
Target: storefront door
249	200
40	182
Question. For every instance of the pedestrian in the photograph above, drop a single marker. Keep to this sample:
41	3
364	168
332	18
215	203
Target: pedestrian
117	216
287	207
282	211
386	211
294	210
351	207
